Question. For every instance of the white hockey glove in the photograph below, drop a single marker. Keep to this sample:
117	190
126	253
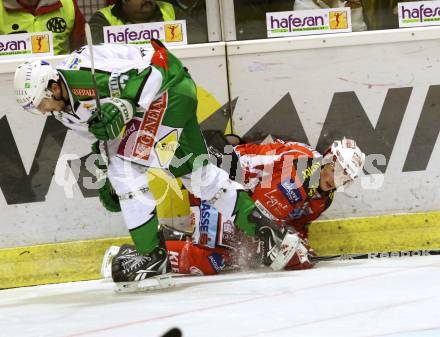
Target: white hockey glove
277	243
302	257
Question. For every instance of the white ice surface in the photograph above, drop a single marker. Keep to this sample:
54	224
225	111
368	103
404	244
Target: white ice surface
393	297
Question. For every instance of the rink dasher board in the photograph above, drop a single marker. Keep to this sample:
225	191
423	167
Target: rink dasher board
58	262
380	88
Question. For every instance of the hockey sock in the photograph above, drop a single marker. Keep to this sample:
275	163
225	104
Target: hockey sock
145	237
243	207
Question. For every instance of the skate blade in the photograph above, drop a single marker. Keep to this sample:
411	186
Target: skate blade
285	251
106	265
150	284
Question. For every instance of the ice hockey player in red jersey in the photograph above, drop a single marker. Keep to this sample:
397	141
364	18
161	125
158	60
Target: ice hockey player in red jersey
290	182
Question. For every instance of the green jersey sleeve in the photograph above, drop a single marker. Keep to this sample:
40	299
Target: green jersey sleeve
80	84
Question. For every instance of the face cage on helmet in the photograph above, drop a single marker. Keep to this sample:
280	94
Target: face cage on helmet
340	175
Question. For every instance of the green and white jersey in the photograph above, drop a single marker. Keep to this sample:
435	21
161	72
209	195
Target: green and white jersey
122	71
165	123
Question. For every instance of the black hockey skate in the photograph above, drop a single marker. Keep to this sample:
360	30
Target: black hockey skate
128	265
277	243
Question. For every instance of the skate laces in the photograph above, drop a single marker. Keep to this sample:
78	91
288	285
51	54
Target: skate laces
130	259
127	253
133	261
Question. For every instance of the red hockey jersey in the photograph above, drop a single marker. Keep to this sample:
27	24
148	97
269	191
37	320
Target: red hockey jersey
284	180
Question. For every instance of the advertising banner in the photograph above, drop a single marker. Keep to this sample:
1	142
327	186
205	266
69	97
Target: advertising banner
171	33
308	22
419	13
26	45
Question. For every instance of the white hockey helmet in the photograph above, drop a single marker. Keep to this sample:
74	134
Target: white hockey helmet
347	158
31	84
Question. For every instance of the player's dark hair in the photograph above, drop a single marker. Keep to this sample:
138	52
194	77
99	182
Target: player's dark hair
51	82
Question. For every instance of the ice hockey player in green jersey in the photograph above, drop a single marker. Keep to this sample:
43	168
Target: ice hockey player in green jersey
147	119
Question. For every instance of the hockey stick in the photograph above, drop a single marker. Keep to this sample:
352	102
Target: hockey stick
92	67
97	98
377	255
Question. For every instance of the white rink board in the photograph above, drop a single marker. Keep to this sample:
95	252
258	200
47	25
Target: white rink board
394	297
60	218
365	66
